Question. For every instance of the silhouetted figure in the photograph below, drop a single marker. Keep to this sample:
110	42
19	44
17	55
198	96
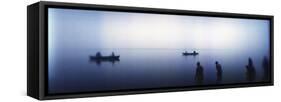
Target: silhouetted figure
250	71
98	54
265	65
194	52
112	54
199	76
219	71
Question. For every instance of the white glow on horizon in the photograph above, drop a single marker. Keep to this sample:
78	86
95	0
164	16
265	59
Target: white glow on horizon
137	32
168	31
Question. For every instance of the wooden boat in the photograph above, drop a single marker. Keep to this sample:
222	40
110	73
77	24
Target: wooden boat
190	54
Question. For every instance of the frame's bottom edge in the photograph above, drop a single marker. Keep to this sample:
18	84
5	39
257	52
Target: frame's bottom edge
50	97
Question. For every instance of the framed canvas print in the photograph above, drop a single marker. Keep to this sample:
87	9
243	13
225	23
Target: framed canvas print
81	50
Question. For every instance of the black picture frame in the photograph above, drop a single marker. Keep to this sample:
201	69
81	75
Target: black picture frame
37	48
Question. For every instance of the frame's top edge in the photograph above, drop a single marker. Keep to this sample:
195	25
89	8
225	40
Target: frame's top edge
149	9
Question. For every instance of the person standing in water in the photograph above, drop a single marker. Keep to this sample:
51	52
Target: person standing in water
199	76
219	71
250	70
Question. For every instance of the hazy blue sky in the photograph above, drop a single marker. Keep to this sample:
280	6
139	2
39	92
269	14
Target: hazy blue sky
103	29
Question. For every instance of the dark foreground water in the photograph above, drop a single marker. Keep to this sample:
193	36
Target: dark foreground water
70	71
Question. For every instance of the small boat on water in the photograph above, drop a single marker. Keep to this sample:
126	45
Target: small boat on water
105	58
99	57
190	54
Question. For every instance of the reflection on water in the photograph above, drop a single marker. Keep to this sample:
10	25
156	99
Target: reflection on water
153	68
99	62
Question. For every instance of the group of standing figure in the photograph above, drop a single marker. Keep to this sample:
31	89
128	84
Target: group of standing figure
250	71
199	75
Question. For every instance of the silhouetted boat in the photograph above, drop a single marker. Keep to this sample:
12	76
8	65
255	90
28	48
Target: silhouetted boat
105	58
190	54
